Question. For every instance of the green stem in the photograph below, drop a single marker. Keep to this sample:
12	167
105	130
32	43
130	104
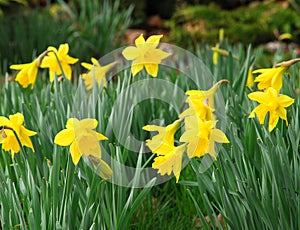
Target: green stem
16	135
60	66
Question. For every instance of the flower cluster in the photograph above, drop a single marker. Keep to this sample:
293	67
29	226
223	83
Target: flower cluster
271	101
198	138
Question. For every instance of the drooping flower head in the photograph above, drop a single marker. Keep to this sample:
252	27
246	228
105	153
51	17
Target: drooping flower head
163	142
8	139
62	64
169	157
145	54
27	74
81	137
201	102
270	102
96	73
270	77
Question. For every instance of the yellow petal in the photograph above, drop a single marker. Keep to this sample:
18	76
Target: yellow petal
17	118
152	69
75	153
154	40
135	68
285	101
218	136
273	120
140	40
63	49
5	121
260	97
64	137
87	65
101	137
131	53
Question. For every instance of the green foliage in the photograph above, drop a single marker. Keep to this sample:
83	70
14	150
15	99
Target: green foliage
91	28
254	24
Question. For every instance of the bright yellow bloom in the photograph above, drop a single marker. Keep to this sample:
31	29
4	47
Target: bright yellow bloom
250	78
201	102
170	162
270	77
145	54
8	139
163	142
81	137
270	102
65	60
97	72
27	74
201	137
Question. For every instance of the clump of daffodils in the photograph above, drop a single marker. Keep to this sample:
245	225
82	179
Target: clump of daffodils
198	139
269	98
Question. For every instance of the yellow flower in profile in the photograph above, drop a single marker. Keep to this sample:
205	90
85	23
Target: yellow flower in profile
270	77
145	54
250	78
96	73
63	63
27	74
270	102
81	137
206	96
163	142
169	157
201	136
8	139
170	162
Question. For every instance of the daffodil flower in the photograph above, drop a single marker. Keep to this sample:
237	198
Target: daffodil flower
201	136
81	137
96	72
270	77
163	142
60	66
27	74
170	162
8	139
145	54
201	102
270	102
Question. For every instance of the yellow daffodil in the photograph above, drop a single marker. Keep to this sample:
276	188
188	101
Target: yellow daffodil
27	74
163	142
170	162
195	97
145	54
270	77
96	72
28	71
81	137
64	61
216	51
201	136
250	78
270	102
8	139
